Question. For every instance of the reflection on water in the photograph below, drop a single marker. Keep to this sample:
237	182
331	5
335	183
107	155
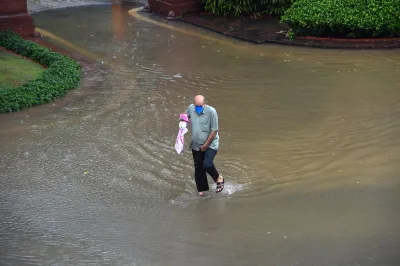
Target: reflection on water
118	20
309	146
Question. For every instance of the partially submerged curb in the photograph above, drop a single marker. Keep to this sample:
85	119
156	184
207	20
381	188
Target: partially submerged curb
259	34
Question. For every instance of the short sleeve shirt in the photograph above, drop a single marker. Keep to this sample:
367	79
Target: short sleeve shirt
202	125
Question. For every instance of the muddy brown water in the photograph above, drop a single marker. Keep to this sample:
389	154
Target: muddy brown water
309	147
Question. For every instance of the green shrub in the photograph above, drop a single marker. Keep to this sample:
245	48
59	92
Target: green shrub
61	75
344	18
247	7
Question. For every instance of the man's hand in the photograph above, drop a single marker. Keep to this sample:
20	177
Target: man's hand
204	147
210	138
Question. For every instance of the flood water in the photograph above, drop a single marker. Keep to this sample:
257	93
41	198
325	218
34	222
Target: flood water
310	150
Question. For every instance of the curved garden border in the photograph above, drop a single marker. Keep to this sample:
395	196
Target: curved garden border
61	74
333	43
347	43
269	30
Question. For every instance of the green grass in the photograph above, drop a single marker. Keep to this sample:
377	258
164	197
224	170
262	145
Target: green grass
15	70
61	74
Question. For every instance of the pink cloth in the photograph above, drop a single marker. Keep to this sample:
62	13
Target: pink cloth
180	139
184	117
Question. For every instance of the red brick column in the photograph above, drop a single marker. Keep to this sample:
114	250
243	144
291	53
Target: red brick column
14	15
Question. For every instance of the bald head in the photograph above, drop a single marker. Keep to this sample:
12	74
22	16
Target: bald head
199	100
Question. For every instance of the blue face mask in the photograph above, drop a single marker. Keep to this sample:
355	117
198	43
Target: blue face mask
199	109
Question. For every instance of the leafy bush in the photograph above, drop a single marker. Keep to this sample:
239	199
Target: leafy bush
62	74
344	18
247	7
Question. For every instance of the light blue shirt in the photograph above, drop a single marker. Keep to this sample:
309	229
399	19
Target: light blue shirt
202	125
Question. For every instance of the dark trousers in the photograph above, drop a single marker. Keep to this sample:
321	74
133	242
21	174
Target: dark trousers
204	163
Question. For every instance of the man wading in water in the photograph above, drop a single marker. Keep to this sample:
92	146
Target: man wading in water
204	143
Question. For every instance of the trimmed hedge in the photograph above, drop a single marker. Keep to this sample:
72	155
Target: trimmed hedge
344	18
61	75
247	7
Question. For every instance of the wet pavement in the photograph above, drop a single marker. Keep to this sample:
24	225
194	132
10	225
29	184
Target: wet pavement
309	147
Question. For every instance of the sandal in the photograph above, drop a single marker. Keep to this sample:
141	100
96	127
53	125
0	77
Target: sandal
220	185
